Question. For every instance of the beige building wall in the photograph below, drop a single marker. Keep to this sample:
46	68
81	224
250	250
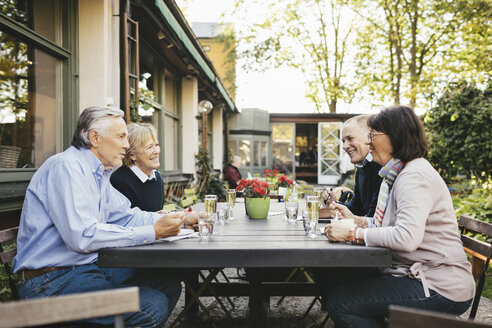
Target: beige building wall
215	52
189	130
98	54
218	138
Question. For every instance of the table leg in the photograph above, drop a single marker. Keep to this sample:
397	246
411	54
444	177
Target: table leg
193	281
259	304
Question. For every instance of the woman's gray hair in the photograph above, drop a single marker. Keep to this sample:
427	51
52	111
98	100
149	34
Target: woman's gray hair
93	118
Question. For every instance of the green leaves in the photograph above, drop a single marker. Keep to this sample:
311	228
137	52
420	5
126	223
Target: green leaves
459	132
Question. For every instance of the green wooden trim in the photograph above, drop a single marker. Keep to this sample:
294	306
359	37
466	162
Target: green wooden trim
192	50
70	80
10	206
27	35
10	175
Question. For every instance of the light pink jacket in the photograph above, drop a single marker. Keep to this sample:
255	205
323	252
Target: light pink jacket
420	226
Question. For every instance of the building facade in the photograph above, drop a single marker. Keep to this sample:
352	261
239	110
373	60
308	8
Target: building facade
59	57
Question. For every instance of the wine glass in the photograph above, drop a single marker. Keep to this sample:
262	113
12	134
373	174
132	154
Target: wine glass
231	199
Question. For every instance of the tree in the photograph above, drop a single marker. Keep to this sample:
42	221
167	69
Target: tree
459	133
306	35
408	47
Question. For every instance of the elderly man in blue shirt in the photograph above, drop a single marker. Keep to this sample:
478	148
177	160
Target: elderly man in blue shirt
71	210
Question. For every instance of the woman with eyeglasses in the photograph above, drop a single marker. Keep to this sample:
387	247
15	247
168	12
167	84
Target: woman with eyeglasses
415	219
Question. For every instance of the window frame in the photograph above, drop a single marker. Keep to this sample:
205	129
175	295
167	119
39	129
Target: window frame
66	117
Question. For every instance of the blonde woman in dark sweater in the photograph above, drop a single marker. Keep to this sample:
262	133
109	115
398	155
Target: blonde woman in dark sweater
138	178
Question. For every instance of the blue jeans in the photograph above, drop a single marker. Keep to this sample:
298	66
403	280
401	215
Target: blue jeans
363	302
159	289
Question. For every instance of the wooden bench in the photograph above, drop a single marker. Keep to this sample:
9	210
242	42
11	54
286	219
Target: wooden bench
480	252
404	317
49	310
60	309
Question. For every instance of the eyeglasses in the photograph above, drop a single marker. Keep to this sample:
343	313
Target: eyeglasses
371	135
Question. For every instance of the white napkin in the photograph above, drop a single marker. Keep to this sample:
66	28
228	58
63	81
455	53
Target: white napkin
275	213
185	233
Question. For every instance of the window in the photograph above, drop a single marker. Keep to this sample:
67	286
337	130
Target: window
244	151
171	123
32	86
283	135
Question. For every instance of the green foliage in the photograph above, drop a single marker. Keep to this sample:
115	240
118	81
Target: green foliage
145	101
307	36
475	203
459	132
210	184
216	187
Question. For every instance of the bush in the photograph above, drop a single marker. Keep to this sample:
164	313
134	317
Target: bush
459	132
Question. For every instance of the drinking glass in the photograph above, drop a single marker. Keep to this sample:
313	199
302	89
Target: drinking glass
312	207
211	204
231	199
291	211
222	212
318	191
206	226
305	222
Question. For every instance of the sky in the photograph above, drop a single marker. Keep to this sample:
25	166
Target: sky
278	90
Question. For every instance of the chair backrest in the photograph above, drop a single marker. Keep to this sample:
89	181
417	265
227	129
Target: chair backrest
473	225
189	192
478	249
186	202
58	309
8	250
404	317
169	207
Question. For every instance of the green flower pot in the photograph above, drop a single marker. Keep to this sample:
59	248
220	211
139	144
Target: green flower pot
257	208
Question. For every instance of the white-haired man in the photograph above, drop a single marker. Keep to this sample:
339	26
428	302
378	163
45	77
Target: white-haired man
71	211
367	179
231	172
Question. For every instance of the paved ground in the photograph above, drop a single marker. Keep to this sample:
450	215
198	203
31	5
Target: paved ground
286	315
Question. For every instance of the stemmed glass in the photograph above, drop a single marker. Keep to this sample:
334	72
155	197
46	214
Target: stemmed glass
231	200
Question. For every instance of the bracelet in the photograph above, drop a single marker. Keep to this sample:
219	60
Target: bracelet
352	237
356	233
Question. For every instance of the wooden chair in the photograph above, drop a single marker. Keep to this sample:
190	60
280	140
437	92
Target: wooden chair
7	253
190	193
186	202
56	309
59	309
480	251
403	317
169	207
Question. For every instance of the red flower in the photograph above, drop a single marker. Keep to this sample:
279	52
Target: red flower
253	188
283	181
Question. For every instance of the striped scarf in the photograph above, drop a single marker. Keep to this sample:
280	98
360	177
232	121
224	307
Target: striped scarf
389	172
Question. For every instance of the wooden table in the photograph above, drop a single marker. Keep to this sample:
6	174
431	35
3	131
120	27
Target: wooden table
244	242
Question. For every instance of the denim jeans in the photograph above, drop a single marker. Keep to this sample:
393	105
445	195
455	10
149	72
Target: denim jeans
159	289
364	299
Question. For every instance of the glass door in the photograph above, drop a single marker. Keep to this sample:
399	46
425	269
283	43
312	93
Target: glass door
329	150
283	147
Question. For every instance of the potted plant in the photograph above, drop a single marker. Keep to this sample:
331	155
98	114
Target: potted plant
282	184
256	198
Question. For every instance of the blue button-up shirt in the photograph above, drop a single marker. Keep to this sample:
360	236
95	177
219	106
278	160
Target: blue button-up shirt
71	210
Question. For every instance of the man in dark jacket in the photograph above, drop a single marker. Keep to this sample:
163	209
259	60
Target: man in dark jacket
367	180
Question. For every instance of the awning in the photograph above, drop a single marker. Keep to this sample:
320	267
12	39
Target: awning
187	43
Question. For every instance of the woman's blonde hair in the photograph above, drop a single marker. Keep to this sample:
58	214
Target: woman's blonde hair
138	133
